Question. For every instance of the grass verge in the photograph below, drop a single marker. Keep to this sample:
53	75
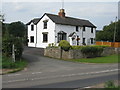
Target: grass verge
8	66
105	59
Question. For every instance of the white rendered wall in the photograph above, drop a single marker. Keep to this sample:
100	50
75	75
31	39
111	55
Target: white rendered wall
87	35
50	29
32	33
82	34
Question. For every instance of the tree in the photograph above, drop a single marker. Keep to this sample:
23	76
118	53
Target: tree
17	29
108	33
8	41
13	33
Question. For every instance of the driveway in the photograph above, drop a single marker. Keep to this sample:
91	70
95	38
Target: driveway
43	70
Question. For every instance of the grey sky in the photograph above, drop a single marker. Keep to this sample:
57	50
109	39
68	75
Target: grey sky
99	13
119	10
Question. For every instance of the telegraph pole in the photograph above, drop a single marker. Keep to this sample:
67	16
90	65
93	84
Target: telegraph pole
115	29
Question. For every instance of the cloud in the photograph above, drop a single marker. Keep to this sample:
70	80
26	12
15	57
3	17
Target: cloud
60	1
98	13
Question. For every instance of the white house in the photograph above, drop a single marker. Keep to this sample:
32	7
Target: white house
52	28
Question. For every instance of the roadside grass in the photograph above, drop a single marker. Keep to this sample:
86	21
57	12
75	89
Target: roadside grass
105	59
7	63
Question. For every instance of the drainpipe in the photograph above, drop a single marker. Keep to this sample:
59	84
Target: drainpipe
36	36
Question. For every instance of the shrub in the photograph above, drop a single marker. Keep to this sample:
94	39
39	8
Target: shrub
109	84
7	46
76	47
90	51
52	45
65	45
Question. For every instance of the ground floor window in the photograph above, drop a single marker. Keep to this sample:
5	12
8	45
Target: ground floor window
83	41
62	36
92	40
32	39
45	37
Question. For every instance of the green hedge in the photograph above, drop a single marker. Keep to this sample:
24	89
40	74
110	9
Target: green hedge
90	51
65	45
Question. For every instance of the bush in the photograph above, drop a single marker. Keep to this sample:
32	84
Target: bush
52	45
91	51
7	46
109	84
65	45
76	47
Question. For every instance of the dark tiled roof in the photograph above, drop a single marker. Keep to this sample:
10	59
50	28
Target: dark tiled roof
71	34
35	21
69	21
64	21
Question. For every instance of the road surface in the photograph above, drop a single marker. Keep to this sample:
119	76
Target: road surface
48	72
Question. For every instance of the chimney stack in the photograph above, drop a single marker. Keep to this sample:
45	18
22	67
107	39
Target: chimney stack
61	13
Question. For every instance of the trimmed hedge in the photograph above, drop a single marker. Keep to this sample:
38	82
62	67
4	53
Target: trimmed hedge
90	51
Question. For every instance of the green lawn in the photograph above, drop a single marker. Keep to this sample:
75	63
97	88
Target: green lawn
105	59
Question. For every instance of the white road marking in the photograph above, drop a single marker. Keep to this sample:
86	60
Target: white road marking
87	87
14	75
68	75
17	80
21	74
36	72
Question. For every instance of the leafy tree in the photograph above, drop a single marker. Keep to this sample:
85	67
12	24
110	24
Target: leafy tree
13	33
108	32
7	44
17	29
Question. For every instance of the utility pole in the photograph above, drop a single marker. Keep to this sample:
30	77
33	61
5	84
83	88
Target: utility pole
13	53
115	29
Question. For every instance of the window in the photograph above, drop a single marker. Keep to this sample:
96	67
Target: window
91	40
83	40
32	39
45	24
61	36
83	28
91	30
45	37
32	27
77	29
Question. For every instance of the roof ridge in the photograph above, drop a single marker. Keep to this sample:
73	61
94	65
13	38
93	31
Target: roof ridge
67	17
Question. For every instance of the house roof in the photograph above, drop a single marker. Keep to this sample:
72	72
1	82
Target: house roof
69	21
35	21
71	34
65	20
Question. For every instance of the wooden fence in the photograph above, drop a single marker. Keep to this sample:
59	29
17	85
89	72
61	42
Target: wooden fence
111	44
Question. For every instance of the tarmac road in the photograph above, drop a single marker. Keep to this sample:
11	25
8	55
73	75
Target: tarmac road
48	72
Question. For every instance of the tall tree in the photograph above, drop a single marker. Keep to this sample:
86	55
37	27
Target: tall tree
108	33
17	29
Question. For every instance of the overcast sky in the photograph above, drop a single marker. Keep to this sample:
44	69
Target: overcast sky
99	13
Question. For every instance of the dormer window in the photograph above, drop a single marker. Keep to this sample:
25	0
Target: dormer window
77	29
45	24
32	27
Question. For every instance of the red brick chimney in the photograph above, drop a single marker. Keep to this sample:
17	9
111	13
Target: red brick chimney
61	13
